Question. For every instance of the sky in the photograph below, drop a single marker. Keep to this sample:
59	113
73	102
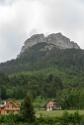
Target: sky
19	19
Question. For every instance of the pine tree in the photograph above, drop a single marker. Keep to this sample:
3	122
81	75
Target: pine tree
27	110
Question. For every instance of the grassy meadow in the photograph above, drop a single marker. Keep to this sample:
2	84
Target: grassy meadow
57	113
56	117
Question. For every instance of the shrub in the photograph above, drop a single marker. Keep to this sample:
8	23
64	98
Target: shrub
82	121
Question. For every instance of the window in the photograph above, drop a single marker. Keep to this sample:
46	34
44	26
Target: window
7	112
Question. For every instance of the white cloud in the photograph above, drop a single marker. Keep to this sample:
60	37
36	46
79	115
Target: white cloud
66	17
20	19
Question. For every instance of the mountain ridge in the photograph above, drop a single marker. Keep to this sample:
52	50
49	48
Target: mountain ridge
57	39
43	55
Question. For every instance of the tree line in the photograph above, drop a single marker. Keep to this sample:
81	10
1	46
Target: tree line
69	92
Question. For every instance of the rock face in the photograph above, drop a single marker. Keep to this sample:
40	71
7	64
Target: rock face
57	39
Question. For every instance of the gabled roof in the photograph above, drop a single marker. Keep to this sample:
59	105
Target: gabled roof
2	105
12	103
17	103
52	101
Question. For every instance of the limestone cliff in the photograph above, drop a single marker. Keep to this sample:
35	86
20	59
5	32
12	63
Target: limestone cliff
57	39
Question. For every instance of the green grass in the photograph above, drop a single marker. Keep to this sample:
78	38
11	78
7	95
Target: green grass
57	113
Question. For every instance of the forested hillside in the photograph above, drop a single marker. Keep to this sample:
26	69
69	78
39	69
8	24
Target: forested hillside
43	55
45	72
66	87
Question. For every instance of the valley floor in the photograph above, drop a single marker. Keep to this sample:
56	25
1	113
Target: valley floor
57	113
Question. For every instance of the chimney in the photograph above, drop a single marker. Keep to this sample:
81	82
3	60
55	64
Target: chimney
4	102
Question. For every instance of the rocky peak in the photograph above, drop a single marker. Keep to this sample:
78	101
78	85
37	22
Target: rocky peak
57	39
61	41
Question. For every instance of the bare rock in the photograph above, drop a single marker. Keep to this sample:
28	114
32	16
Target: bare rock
57	39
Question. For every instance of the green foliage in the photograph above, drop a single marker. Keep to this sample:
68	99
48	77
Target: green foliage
52	74
82	121
38	57
43	86
27	110
65	119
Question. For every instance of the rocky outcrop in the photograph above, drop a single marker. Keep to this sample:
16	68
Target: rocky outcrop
61	41
57	39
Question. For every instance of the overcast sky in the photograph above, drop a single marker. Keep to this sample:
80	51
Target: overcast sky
19	19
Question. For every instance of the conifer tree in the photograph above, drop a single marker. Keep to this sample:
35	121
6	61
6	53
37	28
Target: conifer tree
27	110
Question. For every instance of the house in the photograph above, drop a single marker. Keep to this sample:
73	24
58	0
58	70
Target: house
52	105
17	104
9	107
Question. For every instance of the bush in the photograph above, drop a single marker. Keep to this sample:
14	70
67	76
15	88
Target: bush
82	121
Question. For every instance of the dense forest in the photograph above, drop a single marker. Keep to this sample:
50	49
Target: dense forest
45	74
67	89
43	55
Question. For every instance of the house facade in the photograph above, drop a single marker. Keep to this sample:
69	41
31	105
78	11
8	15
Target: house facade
52	105
9	107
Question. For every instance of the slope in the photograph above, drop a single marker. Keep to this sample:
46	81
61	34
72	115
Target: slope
43	55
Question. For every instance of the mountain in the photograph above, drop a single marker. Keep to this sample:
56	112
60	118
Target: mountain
57	39
49	67
42	52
